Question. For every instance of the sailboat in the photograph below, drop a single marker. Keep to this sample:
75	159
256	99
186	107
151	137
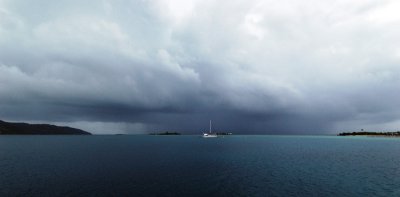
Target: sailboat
209	134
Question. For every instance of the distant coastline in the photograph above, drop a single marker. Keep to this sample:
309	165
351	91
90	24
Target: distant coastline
224	133
177	133
165	133
368	133
10	128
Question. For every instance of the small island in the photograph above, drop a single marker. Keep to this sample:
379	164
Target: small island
224	133
369	133
10	128
166	133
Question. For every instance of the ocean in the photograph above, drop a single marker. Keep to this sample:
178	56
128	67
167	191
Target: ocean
238	165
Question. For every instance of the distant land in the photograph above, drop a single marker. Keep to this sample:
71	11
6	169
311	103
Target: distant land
166	133
9	128
368	133
177	133
224	133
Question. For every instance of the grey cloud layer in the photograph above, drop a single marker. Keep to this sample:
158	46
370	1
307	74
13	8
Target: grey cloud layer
256	66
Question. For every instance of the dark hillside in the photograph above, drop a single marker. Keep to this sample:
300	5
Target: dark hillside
8	128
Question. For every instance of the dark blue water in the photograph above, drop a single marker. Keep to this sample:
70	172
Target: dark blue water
193	166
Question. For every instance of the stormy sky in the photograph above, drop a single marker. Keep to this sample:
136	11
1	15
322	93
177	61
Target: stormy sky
252	66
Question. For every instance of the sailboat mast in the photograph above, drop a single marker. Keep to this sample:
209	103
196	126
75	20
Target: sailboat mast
210	126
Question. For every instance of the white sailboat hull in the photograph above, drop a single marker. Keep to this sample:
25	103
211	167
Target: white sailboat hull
206	135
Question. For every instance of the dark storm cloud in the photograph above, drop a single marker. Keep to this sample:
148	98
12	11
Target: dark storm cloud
251	66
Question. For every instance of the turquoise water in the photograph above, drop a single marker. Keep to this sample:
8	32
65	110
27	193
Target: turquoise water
194	166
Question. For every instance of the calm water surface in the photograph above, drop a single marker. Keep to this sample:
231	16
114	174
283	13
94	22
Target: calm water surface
193	166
